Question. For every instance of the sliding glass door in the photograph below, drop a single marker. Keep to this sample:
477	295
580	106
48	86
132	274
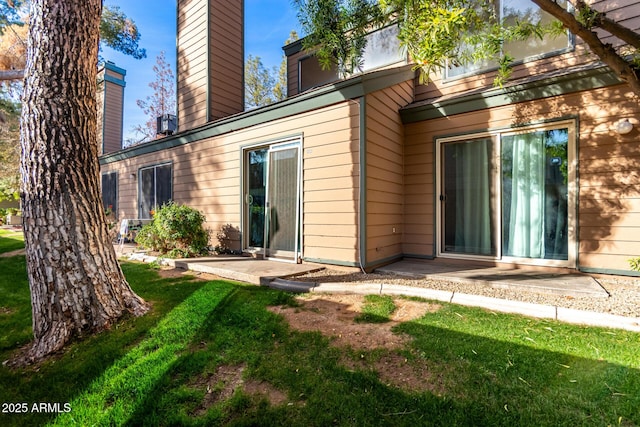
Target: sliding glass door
507	196
272	200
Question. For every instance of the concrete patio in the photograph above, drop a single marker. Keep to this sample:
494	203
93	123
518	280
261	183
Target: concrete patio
264	272
545	281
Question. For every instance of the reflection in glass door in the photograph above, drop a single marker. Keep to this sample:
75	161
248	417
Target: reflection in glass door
282	203
256	197
535	195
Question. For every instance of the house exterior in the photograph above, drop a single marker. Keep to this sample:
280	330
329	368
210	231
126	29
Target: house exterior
376	167
110	101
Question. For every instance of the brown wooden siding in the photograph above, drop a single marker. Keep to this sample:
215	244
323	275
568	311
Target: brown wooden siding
206	175
192	63
110	99
608	164
210	61
293	73
385	172
226	46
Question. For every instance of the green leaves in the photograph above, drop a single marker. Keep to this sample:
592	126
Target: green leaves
120	32
336	30
437	34
177	230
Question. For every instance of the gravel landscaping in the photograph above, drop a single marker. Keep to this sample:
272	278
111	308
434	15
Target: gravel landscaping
624	299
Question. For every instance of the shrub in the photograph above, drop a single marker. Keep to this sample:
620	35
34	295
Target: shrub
635	264
176	230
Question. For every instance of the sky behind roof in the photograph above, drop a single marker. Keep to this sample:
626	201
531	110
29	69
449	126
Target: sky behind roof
267	26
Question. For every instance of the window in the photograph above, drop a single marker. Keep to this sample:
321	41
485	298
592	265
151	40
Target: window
154	188
110	192
511	11
382	49
312	75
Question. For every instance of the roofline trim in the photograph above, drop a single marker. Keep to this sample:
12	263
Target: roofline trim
318	98
571	82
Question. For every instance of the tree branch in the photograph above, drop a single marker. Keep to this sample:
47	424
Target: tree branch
620	31
607	54
599	19
11	75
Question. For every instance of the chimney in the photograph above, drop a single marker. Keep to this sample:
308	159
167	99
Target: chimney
210	42
110	99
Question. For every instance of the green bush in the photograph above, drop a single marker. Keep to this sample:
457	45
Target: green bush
635	264
176	230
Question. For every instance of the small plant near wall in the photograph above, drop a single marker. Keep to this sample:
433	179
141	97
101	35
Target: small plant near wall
177	231
635	263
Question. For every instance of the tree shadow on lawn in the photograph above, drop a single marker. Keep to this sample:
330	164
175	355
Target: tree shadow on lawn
63	376
490	377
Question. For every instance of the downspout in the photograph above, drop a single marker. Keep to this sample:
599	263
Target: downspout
362	223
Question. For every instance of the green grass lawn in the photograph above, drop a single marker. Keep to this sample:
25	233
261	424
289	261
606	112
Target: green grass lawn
174	366
10	240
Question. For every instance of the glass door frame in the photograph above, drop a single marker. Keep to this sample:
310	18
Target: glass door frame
271	146
496	178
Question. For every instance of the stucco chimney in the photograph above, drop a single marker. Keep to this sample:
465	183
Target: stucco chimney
110	99
210	42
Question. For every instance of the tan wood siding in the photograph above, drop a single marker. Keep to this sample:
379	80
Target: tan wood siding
331	175
608	163
385	172
207	176
114	99
110	100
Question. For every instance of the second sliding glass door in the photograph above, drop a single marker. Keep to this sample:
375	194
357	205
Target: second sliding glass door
506	196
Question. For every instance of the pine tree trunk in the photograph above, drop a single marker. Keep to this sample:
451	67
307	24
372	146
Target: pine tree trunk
77	286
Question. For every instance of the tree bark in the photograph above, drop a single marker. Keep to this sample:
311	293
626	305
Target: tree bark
77	286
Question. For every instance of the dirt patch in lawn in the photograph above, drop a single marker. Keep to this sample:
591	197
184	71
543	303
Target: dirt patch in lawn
6	310
222	384
334	316
396	370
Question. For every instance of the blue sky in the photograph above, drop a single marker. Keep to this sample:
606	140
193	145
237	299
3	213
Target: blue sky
267	25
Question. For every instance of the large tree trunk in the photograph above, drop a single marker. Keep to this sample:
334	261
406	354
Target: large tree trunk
77	286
